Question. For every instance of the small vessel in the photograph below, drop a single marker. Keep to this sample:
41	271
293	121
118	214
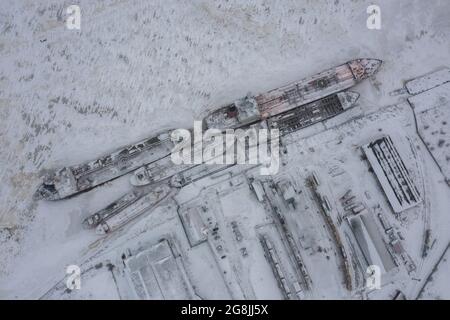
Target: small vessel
286	122
95	219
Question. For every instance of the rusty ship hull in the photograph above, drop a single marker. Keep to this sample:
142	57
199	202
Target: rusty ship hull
252	109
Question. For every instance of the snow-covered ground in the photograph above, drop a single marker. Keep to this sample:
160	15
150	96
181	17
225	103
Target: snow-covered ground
135	67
